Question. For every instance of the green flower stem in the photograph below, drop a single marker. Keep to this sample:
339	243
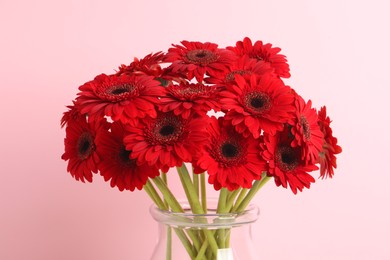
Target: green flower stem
193	234
231	198
151	191
223	194
175	206
189	189
257	185
229	204
202	250
240	198
151	196
169	229
186	242
169	244
168	196
164	177
203	191
193	199
209	253
227	242
195	178
196	181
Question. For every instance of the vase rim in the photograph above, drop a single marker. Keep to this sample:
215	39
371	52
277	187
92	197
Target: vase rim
210	220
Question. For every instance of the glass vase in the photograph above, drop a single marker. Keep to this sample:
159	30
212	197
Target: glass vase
210	236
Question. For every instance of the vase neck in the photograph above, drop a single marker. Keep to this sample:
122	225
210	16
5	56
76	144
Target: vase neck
210	220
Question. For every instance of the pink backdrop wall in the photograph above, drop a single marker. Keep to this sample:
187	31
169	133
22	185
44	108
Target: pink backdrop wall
338	51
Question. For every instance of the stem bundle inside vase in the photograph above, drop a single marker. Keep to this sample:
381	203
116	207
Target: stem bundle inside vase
200	244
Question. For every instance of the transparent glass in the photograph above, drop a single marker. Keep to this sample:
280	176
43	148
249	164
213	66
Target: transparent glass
208	236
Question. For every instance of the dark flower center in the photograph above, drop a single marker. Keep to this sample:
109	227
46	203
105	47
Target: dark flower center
230	76
124	157
201	57
85	145
167	129
258	102
191	92
305	127
229	150
118	92
287	158
120	89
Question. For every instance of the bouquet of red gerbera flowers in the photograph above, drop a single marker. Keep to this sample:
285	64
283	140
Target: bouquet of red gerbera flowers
157	113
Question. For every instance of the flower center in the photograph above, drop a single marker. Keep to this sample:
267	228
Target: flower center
166	130
85	145
124	157
230	76
192	91
305	127
229	150
287	158
257	102
118	92
201	57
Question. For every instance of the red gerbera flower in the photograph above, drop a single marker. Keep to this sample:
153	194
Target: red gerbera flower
124	98
149	65
166	141
231	160
285	163
244	66
306	131
264	53
185	99
258	103
73	114
80	148
195	59
116	164
327	158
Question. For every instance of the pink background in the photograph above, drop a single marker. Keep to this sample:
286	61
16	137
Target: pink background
338	51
